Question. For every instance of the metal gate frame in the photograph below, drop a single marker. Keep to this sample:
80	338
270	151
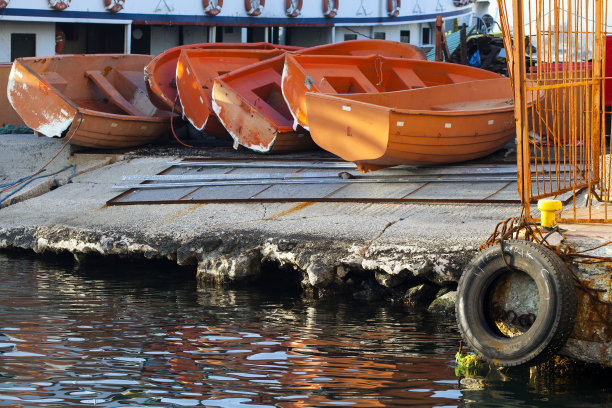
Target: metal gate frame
565	128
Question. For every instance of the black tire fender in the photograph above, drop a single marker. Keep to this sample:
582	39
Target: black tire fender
557	304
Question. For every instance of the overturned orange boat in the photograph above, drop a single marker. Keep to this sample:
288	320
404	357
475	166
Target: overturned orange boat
97	101
160	73
434	125
195	73
250	105
371	74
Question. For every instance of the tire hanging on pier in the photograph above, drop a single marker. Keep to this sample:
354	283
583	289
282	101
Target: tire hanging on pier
251	9
4	3
210	8
59	4
392	10
293	10
114	6
479	312
330	8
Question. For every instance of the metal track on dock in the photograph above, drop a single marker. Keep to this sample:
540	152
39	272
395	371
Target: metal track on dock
222	180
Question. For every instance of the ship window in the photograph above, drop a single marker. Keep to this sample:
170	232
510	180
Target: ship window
426	38
348	37
405	36
23	45
379	36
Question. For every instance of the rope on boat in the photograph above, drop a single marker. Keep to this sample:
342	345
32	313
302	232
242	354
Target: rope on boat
172	126
22	182
179	140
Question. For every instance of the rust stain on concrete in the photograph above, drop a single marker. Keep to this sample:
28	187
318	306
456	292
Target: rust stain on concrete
183	212
292	210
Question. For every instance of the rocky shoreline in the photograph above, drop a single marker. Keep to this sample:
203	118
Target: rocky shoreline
410	274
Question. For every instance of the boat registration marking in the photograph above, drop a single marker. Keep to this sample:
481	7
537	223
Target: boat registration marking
448	125
491	122
201	100
400	123
114	125
346	108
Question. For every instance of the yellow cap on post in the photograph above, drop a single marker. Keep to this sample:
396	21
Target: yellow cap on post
548	208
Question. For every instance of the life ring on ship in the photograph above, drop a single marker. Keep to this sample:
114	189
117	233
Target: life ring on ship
330	12
545	333
114	6
394	11
291	10
254	11
59	4
210	8
60	41
4	3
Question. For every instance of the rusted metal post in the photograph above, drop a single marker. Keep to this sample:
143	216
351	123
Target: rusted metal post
442	53
597	77
463	39
520	107
439	54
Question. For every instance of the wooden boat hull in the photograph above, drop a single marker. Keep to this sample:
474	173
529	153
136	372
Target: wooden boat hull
85	97
195	72
160	73
429	126
371	74
250	105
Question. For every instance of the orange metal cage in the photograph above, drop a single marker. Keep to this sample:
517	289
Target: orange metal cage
563	138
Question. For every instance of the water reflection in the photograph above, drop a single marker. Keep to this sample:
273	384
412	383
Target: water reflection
133	340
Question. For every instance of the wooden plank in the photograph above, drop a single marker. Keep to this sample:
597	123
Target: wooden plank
109	90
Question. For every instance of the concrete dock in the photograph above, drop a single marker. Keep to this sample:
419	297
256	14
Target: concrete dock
326	243
402	252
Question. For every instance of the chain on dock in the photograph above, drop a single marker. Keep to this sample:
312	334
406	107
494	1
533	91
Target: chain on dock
513	228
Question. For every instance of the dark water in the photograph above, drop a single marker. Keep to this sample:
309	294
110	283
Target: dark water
130	339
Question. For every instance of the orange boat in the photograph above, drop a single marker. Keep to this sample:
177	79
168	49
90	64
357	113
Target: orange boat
195	72
372	74
96	101
434	125
250	105
160	73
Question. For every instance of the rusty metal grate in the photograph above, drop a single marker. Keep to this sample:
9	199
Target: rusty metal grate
238	180
561	65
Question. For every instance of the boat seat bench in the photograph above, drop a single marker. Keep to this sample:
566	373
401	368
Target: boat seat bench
56	80
111	92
